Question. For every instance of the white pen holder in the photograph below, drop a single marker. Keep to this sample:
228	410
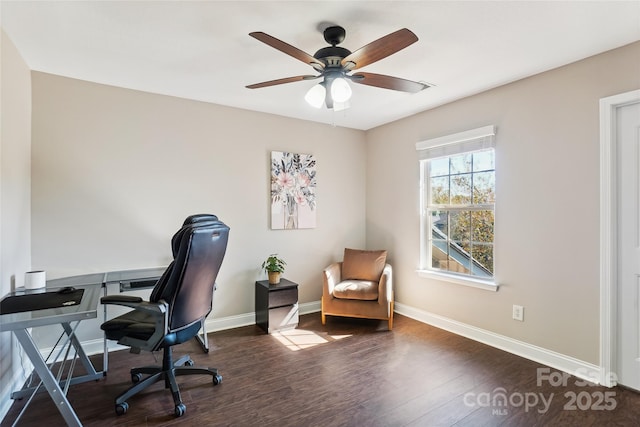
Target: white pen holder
35	279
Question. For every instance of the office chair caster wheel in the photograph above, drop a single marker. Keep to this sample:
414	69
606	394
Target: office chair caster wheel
135	378
217	379
180	410
121	408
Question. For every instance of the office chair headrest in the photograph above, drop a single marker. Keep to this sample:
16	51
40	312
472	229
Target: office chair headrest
197	219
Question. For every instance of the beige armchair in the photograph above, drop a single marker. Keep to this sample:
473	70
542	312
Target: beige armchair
359	286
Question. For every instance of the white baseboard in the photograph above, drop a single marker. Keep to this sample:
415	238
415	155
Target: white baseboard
568	364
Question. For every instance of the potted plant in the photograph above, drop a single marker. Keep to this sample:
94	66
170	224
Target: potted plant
274	266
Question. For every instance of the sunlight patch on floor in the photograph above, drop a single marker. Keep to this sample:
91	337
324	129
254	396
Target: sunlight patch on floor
299	339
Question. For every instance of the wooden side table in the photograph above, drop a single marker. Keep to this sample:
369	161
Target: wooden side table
276	305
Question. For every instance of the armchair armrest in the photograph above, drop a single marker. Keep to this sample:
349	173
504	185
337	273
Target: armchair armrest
332	275
385	286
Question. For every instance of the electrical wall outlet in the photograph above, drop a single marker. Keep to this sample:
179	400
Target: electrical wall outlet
518	312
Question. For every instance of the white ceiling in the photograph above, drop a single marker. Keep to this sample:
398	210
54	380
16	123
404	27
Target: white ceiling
201	49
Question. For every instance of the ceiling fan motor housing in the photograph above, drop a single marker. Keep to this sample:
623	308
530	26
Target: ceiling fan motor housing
332	55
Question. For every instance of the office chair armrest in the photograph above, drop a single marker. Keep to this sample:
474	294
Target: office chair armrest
136	303
115	299
159	312
159	315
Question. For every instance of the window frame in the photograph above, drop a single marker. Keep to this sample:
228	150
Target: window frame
446	146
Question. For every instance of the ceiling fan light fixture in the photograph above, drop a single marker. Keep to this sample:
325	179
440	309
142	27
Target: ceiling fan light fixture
315	95
340	90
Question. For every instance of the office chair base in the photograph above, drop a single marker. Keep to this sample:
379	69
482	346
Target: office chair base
184	366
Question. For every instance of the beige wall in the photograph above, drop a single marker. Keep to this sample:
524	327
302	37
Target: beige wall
15	216
547	208
115	172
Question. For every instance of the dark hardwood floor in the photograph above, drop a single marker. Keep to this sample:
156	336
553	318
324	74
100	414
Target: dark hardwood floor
348	373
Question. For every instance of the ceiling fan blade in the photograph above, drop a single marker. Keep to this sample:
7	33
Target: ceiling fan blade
387	82
281	81
379	49
288	49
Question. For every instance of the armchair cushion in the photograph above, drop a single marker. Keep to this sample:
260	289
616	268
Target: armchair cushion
365	290
363	265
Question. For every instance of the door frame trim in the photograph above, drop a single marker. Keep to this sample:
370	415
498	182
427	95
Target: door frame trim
608	232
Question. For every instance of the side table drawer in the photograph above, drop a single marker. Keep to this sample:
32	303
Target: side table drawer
283	318
283	297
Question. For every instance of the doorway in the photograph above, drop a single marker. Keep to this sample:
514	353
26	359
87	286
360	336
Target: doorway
620	240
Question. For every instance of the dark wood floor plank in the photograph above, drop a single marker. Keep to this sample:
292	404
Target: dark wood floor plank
349	372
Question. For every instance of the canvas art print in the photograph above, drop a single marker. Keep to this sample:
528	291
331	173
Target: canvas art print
293	190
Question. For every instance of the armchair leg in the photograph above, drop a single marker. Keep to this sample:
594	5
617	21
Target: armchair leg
391	315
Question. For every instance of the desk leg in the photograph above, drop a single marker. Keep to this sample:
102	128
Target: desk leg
80	353
91	375
105	350
49	381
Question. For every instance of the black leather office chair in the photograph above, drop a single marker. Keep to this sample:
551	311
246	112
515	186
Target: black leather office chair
176	309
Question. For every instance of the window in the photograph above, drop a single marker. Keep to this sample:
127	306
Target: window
458	203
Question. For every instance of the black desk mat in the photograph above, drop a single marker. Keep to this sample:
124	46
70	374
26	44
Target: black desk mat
31	302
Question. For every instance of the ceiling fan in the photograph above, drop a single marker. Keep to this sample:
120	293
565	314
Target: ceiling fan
336	65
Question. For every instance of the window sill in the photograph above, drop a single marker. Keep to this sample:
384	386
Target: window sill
487	285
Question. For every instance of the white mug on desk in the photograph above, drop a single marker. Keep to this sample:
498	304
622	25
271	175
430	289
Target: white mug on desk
35	279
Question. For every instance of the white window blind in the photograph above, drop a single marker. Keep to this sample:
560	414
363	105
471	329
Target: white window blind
468	141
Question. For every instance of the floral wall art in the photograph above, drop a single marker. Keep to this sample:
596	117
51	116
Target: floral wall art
293	190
